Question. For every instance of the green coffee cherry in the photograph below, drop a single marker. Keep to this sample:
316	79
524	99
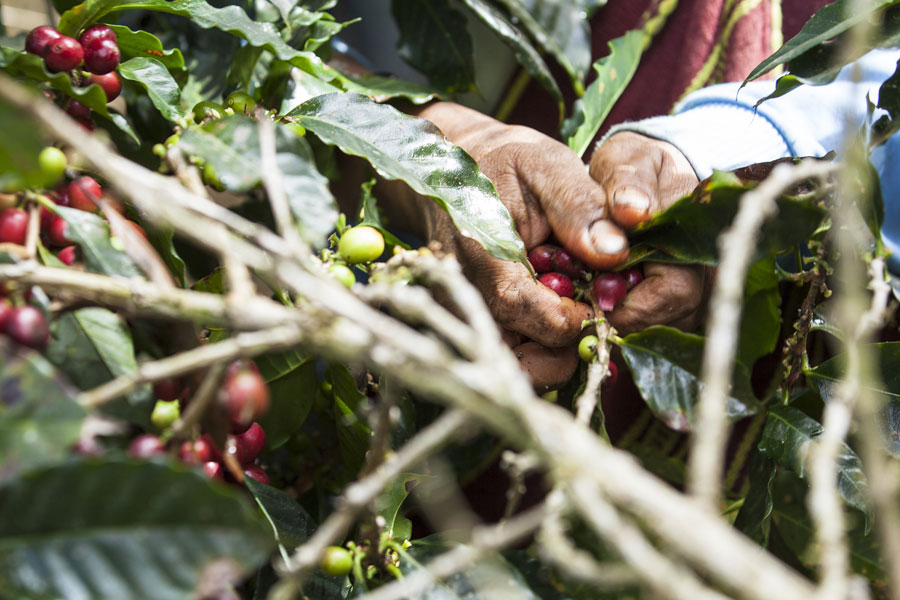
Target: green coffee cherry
361	244
207	110
336	561
53	163
241	102
587	347
165	413
343	274
172	140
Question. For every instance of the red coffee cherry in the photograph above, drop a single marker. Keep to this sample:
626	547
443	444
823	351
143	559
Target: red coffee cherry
82	191
632	277
214	470
198	452
86	124
6	310
13	226
559	283
249	444
609	290
541	257
613	376
563	262
77	110
58	234
167	389
28	326
146	446
101	56
256	472
40	38
246	396
68	255
110	83
96	33
63	54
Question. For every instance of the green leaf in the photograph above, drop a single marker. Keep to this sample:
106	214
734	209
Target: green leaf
414	150
384	88
614	72
292	394
22	64
828	22
163	241
792	520
370	215
231	146
755	517
231	19
760	313
689	229
39	418
143	44
435	40
665	364
787	438
290	523
75	530
91	233
162	90
560	28
19	149
528	58
889	100
390	501
353	433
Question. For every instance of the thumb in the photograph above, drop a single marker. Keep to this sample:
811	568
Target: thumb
575	206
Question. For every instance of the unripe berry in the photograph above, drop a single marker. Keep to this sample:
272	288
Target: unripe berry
344	274
249	444
541	257
101	56
146	446
587	347
63	54
13	226
361	244
559	283
165	413
40	38
241	102
207	110
336	561
109	83
609	290
53	163
82	191
256	472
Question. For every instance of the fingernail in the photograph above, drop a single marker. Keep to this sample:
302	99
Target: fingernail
632	198
606	238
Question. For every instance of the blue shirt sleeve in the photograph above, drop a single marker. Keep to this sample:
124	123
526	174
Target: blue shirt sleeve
718	128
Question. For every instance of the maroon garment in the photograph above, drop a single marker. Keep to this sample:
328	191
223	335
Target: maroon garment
695	31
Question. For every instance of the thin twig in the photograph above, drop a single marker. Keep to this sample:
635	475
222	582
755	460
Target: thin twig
273	180
200	401
598	370
736	247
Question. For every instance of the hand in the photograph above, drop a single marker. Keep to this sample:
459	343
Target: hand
642	176
547	191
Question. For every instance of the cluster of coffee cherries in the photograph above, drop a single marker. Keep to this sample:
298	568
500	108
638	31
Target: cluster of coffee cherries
96	49
245	397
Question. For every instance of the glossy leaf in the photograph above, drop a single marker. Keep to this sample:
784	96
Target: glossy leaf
66	532
889	100
792	520
231	19
91	233
39	418
760	313
382	88
414	150
828	22
614	72
353	433
290	523
526	55
434	38
560	28
786	439
292	394
689	229
389	503
161	88
134	44
28	65
665	364
231	146
755	517
162	241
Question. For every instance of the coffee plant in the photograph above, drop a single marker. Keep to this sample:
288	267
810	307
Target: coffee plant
222	378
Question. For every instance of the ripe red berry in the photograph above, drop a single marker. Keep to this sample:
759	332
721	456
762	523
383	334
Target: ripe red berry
214	470
256	472
541	257
13	225
63	54
146	446
167	389
198	452
28	326
632	277
67	255
110	83
613	376
58	233
77	110
559	283
609	290
86	124
563	262
40	38
246	396
101	56
6	310
95	33
82	192
248	445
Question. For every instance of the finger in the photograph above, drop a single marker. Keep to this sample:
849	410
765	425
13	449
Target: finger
668	295
574	205
547	368
521	304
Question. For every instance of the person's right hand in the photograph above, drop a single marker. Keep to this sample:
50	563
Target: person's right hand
641	177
